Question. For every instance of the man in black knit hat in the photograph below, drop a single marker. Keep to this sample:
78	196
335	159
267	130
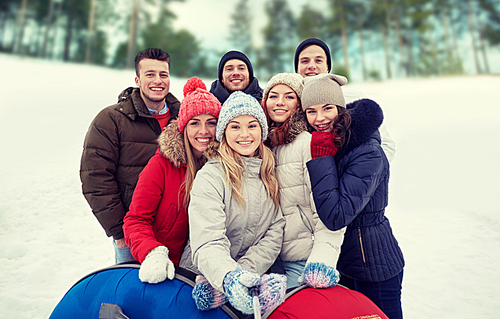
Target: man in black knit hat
235	74
312	57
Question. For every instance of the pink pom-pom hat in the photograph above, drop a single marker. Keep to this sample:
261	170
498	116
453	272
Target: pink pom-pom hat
197	100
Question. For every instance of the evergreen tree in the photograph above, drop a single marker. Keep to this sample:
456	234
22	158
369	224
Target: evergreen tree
20	25
311	24
48	27
141	17
76	13
280	39
240	31
182	46
7	17
472	32
491	27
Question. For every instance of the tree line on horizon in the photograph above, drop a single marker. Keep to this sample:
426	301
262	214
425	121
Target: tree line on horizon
381	38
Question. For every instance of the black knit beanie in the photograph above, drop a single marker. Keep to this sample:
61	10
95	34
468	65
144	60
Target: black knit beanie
309	42
235	55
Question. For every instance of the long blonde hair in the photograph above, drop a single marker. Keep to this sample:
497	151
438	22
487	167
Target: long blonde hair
233	166
192	167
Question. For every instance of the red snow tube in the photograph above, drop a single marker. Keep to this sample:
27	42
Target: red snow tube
333	303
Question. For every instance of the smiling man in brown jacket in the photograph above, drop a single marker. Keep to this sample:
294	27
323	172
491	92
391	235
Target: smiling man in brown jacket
120	141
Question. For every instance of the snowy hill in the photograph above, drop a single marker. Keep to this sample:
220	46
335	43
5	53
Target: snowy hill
444	191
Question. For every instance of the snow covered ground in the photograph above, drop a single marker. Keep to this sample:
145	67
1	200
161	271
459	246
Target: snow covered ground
444	191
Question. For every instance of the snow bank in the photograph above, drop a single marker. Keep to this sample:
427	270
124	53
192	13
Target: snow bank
444	203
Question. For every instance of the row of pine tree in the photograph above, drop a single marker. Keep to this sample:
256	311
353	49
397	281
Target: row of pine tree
382	39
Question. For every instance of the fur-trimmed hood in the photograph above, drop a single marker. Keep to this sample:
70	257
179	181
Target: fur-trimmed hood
171	144
298	124
366	118
212	150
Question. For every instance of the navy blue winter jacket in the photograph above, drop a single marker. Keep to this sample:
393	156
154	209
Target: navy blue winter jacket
221	93
351	189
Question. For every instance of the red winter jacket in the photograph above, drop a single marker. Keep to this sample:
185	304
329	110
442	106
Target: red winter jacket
157	216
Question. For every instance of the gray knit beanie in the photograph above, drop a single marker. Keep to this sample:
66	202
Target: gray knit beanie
239	103
323	89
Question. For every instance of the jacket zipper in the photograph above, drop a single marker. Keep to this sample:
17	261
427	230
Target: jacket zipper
361	244
306	222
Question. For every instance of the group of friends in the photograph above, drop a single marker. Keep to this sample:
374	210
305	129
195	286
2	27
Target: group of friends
247	187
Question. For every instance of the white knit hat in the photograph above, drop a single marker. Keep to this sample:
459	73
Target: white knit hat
239	103
292	80
323	89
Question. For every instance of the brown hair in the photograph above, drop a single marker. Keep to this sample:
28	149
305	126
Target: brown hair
341	126
280	133
151	53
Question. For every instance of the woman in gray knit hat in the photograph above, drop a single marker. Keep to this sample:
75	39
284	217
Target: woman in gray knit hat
235	221
349	176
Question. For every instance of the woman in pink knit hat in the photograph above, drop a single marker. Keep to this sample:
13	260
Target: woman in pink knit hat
156	227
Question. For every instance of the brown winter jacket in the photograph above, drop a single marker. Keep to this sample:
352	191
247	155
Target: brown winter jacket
119	143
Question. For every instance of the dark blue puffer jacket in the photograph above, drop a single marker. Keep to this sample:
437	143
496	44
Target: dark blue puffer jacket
351	189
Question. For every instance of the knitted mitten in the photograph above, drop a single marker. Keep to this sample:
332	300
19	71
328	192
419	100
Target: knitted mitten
236	284
318	275
322	144
156	267
272	291
205	296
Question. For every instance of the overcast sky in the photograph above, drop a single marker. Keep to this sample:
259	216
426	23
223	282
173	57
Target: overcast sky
210	20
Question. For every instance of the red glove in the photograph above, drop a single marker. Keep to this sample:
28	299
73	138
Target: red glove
322	144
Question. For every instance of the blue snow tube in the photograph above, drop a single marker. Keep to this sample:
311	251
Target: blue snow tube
118	289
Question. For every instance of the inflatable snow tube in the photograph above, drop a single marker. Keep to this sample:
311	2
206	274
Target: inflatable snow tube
331	303
117	292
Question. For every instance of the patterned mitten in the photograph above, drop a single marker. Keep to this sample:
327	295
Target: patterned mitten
157	267
272	291
205	296
236	284
319	275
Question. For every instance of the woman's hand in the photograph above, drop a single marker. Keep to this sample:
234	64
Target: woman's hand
322	144
157	267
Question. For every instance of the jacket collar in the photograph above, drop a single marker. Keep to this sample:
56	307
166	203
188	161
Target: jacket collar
220	92
138	107
298	124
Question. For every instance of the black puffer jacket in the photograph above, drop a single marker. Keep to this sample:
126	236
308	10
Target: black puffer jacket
119	143
351	189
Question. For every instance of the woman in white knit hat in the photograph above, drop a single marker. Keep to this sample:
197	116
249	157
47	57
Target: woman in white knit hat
305	240
235	222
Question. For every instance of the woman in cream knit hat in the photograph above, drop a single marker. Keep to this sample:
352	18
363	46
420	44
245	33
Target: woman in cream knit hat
305	240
